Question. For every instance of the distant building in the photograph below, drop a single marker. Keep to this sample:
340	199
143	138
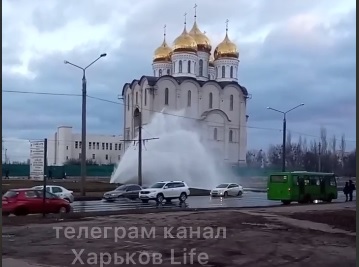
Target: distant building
65	145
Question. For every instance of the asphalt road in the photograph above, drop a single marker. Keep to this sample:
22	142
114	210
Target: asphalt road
249	199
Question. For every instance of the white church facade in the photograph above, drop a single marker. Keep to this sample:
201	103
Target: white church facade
187	77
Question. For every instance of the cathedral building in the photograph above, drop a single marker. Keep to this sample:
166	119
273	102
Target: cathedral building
190	76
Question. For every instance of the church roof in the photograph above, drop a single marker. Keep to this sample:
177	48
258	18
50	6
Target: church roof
153	80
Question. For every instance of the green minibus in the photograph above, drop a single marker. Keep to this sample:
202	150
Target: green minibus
302	187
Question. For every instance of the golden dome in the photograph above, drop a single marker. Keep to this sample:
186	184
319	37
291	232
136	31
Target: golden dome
226	49
162	53
203	43
211	61
184	43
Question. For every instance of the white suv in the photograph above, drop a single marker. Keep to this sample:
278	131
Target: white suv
165	190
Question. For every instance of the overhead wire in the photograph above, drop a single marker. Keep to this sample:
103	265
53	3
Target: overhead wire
164	113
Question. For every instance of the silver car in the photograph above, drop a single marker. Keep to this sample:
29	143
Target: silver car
227	189
58	191
130	191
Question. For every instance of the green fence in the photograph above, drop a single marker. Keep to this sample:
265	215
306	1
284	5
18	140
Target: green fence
18	170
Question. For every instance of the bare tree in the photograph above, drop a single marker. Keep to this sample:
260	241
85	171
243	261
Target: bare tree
342	149
323	140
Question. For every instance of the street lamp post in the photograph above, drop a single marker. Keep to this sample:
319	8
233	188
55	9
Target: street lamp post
284	130
83	132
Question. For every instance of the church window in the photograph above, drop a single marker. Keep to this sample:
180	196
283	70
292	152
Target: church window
174	67
168	72
189	66
231	103
230	136
231	72
145	97
223	71
160	73
180	66
210	100
189	98
209	76
136	98
128	102
215	134
216	72
166	96
201	67
154	72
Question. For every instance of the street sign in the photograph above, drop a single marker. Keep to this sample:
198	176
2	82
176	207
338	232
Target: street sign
37	158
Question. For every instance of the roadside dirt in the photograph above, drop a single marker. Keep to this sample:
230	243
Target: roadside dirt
251	240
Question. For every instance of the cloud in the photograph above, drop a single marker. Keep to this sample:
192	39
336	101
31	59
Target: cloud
290	52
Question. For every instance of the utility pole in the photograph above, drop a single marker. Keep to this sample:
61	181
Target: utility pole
138	117
140	150
45	172
83	122
319	157
284	130
284	141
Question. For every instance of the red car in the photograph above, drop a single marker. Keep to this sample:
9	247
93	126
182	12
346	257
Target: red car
30	201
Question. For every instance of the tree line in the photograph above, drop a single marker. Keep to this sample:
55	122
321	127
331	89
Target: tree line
325	155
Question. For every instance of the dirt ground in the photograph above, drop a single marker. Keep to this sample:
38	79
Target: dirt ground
262	237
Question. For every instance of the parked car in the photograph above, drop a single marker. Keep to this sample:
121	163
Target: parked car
130	191
165	190
59	191
227	189
21	202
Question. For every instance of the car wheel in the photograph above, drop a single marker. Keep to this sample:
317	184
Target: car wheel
183	197
144	200
225	194
159	198
286	202
21	212
62	210
240	193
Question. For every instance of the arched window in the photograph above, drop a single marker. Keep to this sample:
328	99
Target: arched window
160	73
209	76
166	96
189	66
230	136
216	72
210	100
174	67
154	72
215	134
189	98
145	97
231	103
168	72
231	72
136	98
223	71
180	66
200	67
128	102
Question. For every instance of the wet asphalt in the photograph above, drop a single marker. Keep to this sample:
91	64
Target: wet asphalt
248	199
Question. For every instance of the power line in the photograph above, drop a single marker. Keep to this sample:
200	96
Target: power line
39	93
164	113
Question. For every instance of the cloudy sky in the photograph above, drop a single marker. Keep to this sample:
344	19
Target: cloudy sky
290	51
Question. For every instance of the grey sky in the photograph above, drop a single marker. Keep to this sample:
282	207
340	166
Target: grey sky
290	52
